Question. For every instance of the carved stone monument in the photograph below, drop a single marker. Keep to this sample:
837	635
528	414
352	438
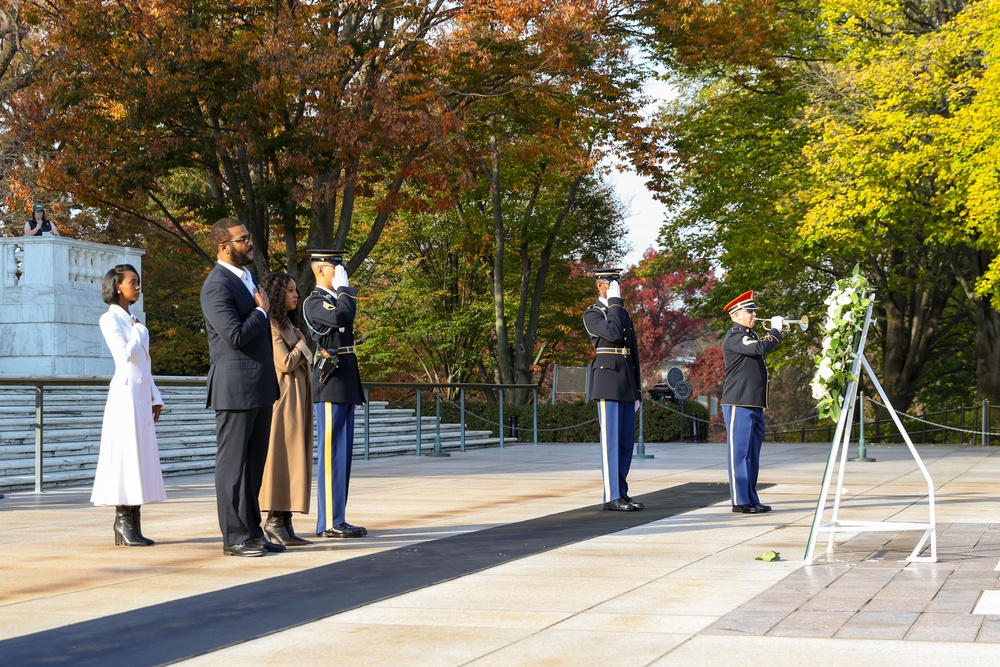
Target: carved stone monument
50	303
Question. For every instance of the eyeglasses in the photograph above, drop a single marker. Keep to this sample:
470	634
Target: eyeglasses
244	240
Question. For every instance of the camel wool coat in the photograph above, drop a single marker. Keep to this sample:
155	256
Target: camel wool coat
288	472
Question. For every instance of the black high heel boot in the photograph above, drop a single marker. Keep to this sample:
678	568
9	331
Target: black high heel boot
124	528
136	521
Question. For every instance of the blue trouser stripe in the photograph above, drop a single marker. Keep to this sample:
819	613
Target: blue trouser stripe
745	429
335	441
617	419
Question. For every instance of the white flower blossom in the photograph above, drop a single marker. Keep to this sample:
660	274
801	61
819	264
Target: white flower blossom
843	318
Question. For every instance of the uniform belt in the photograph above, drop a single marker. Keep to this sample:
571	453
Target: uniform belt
623	351
346	350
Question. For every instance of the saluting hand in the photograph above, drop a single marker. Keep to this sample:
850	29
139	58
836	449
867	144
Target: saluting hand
614	290
340	277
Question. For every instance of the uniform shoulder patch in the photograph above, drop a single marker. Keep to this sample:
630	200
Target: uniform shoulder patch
329	306
747	340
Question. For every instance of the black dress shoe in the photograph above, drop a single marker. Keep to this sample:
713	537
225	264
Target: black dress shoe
620	505
364	531
747	509
247	549
763	508
634	503
345	530
267	545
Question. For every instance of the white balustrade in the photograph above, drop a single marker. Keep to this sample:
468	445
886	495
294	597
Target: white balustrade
50	304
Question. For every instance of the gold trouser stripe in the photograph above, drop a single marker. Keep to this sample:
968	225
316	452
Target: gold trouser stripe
328	461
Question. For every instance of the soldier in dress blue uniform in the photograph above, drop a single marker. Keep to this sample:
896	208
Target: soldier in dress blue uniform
614	384
336	383
744	397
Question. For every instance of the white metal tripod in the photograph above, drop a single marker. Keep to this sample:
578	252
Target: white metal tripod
838	449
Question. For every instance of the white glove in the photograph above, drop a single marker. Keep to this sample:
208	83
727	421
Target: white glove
340	277
614	290
778	322
637	404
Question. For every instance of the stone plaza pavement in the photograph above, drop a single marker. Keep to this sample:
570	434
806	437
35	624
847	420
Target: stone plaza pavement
681	590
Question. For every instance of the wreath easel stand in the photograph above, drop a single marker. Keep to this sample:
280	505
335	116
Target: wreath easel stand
838	450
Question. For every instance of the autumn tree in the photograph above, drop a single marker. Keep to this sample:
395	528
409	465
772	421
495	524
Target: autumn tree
841	150
428	310
285	115
664	325
574	93
19	60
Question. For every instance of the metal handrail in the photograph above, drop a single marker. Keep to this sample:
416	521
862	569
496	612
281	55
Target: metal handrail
39	384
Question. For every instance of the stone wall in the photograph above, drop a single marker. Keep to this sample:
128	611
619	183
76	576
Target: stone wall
50	304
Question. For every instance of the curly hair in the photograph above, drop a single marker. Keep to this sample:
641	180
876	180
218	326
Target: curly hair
274	286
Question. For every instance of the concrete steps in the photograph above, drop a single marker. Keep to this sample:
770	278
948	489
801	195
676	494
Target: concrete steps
185	434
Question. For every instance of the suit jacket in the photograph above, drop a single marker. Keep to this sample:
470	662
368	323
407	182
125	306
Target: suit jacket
331	321
613	377
241	375
746	369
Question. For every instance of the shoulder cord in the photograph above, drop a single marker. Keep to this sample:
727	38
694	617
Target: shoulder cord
316	332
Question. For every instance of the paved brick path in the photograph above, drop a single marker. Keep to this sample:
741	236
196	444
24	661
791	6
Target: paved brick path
870	592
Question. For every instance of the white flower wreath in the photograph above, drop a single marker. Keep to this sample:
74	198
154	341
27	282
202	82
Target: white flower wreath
845	315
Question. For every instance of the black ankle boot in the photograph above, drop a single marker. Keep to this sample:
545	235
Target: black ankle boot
124	528
137	522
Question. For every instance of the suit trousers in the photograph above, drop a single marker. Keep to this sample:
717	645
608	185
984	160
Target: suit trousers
745	434
243	437
335	436
617	419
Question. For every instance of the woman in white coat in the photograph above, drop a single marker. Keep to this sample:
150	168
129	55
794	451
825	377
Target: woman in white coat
128	468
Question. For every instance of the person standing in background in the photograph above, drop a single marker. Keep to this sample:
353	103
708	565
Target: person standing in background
128	466
242	387
744	397
288	471
39	224
614	384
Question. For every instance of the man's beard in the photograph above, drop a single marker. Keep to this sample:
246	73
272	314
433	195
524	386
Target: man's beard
241	256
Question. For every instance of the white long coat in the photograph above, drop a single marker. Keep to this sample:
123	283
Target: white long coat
128	468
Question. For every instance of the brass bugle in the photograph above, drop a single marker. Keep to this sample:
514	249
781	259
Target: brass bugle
803	321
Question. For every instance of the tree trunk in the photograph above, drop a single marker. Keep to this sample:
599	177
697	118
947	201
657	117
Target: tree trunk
968	265
908	322
505	359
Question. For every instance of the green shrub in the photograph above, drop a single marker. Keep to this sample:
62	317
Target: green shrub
566	422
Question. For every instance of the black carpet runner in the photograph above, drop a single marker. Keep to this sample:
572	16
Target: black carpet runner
180	629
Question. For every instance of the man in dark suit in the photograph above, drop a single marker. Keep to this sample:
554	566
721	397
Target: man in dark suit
242	386
329	313
614	384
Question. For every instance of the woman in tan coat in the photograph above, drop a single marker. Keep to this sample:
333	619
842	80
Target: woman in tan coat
288	472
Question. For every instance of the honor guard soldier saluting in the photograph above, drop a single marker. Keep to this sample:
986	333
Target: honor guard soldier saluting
614	384
329	313
744	397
